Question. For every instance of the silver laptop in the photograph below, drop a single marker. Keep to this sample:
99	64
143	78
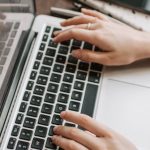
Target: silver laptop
40	79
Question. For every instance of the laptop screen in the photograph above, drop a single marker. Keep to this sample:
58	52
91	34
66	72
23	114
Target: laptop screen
143	5
10	44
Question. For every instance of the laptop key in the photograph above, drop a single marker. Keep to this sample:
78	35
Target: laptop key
16	26
59	108
76	43
8	26
51	133
26	134
15	130
39	56
48	29
81	75
48	61
50	98
63	98
46	108
72	60
23	107
6	51
40	131
94	77
66	43
76	95
29	123
83	66
30	85
89	99
39	90
53	87
65	88
57	120
58	68
70	68
68	78
13	34
55	29
36	65
79	85
50	144
87	46
19	118
74	106
52	44
32	111
33	75
10	42
42	46
11	143
42	80
21	145
96	67
45	37
36	100
61	59
69	124
44	119
63	50
37	143
45	70
2	60
51	52
55	77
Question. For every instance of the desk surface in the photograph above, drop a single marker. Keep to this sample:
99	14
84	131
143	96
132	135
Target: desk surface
43	6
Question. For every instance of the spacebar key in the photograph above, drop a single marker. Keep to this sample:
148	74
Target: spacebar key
89	99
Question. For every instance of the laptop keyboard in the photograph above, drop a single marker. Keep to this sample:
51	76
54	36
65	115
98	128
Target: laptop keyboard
57	82
8	33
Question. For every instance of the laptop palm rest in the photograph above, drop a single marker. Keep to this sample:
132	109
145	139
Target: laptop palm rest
125	103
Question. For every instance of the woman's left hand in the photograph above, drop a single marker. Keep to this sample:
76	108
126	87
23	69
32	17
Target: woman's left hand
96	136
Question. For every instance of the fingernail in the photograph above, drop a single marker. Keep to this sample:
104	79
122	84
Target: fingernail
84	9
55	129
62	114
55	33
76	53
54	138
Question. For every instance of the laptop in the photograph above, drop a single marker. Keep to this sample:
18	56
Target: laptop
40	79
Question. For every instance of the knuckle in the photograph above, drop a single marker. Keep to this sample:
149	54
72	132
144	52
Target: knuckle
73	132
72	31
71	145
84	119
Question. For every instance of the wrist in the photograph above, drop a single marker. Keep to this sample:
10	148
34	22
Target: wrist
143	45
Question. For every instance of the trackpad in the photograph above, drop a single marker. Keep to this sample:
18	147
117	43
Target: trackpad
126	108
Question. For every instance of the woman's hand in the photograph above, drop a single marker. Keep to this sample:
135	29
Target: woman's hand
120	43
96	136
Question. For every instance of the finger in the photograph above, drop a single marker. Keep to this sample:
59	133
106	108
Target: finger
93	26
91	56
77	135
94	13
86	122
67	144
75	33
83	19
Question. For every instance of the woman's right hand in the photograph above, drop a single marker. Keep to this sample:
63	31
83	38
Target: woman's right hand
121	44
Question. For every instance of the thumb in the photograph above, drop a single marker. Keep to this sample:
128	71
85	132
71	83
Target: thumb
91	56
